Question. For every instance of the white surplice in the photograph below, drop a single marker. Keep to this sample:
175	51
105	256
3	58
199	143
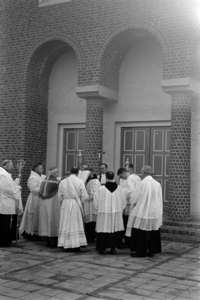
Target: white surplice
129	186
110	207
30	218
90	213
72	193
102	178
9	194
146	206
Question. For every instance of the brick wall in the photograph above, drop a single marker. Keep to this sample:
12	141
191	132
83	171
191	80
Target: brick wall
100	33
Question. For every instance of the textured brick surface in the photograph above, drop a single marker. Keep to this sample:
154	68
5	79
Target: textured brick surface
100	33
94	132
179	165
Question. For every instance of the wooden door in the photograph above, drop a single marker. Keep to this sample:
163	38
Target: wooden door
148	146
74	140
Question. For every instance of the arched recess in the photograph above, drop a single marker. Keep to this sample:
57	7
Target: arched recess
37	70
118	44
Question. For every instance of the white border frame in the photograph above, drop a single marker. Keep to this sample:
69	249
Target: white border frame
135	163
166	140
166	180
136	141
161	164
132	140
154	140
67	141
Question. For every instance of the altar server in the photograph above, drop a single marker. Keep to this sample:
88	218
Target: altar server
90	214
109	200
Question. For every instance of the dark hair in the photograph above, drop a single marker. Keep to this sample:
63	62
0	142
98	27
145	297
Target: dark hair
104	165
74	170
90	178
130	166
121	171
110	175
36	165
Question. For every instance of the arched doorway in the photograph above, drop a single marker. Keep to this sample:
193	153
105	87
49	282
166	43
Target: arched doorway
137	127
37	73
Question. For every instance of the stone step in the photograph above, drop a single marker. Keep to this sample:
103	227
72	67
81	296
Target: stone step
177	230
180	238
188	224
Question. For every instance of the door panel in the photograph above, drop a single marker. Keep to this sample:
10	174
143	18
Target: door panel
74	140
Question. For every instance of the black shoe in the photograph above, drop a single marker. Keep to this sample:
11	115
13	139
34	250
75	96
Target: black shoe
113	251
102	252
77	249
133	255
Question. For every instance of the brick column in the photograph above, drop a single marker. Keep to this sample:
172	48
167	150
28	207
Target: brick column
94	131
95	95
179	165
182	91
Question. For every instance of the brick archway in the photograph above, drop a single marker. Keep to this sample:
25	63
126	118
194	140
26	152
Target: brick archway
194	56
37	70
118	44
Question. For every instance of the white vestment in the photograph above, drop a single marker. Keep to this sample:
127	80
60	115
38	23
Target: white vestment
129	186
29	222
72	193
9	194
146	206
90	214
49	209
102	178
109	209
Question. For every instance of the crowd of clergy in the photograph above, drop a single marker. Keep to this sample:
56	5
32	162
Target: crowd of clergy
84	208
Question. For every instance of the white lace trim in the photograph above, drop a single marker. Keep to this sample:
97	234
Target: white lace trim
109	222
90	218
144	224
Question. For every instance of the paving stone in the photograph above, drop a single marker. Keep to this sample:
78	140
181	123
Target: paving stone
131	297
68	296
162	296
34	296
195	295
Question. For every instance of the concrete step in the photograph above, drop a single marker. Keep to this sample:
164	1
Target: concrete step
180	238
188	224
188	231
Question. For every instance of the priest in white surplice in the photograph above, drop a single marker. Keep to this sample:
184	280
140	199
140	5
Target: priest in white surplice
10	202
30	221
109	200
49	208
145	218
90	214
72	194
129	182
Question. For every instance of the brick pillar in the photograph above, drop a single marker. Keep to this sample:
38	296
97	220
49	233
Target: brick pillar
179	166
94	131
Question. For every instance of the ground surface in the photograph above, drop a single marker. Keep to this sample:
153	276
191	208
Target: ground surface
30	270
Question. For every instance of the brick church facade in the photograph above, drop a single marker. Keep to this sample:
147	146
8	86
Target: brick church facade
115	76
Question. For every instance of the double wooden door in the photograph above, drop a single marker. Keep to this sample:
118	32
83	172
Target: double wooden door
148	146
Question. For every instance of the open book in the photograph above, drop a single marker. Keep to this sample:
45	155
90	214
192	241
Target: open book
83	175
